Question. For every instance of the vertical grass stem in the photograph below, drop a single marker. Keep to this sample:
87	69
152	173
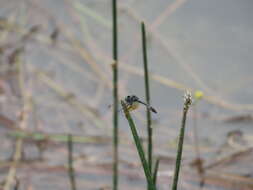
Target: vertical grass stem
145	64
187	103
115	94
71	170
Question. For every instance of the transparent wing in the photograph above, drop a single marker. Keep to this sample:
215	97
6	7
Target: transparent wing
110	107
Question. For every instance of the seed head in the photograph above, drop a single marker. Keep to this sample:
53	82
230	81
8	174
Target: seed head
187	99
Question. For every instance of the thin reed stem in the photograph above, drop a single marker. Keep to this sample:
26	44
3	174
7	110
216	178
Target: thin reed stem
187	103
115	94
71	170
156	170
13	168
23	118
145	64
139	147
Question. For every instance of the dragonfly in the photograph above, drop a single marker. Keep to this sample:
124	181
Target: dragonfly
133	103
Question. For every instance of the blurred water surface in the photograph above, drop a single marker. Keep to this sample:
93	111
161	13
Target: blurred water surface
199	44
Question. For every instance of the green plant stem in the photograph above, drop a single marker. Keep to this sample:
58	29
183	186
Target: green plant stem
180	148
115	95
71	170
139	147
145	63
156	170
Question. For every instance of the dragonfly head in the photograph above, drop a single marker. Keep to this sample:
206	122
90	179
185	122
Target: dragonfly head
131	99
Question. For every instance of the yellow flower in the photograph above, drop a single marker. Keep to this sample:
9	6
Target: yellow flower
198	94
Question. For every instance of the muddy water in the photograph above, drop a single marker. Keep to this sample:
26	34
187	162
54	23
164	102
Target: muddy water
204	45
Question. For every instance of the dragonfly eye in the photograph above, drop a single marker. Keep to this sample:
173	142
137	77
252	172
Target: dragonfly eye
134	98
128	99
